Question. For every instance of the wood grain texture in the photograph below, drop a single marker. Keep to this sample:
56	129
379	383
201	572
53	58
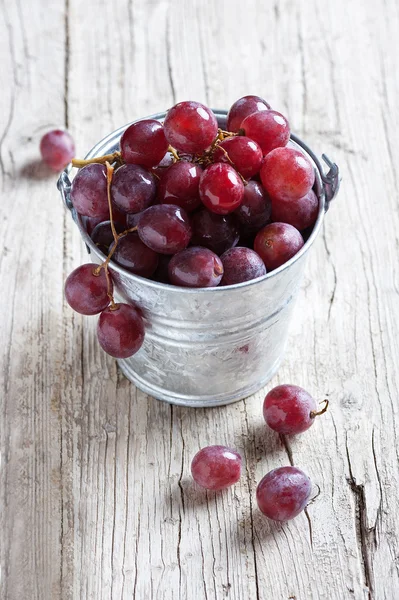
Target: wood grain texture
95	489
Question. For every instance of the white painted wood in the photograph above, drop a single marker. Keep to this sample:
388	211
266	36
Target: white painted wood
96	496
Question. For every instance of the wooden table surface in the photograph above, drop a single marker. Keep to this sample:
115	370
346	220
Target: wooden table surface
96	496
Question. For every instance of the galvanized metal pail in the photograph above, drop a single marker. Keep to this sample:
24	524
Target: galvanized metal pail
211	346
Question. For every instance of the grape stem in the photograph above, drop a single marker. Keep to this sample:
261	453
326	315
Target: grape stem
315	413
174	153
80	162
110	172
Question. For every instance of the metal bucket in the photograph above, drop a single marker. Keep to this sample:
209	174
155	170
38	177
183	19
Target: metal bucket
211	346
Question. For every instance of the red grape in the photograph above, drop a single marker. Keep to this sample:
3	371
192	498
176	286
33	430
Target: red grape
120	330
89	191
276	243
132	220
134	256
216	232
216	467
269	129
180	186
242	108
287	174
244	153
144	143
241	264
160	170
90	223
288	409
102	235
221	189
301	213
86	292
165	228
195	267
190	127
256	207
283	493
57	149
133	188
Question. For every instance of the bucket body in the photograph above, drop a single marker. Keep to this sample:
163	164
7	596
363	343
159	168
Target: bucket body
212	346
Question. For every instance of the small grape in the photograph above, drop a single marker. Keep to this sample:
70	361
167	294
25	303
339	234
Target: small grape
283	493
133	188
87	292
216	232
102	235
301	213
276	243
89	191
241	264
180	186
195	267
289	409
244	154
242	108
221	189
134	256
144	143
190	127
287	174
120	330
165	228
256	207
216	467
57	149
269	129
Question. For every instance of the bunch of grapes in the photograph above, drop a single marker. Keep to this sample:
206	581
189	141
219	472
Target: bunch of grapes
188	204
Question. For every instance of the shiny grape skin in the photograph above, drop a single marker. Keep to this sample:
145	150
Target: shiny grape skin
102	235
287	174
283	493
180	186
120	331
165	228
241	264
216	467
89	191
144	143
86	292
190	127
287	409
133	188
195	267
57	149
301	213
276	243
270	129
221	189
134	256
242	108
244	153
256	207
216	232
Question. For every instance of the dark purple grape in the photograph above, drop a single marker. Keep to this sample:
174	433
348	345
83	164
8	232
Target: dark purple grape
241	264
102	235
243	153
162	272
120	330
190	127
57	149
289	409
86	292
221	189
180	186
132	220
283	493
301	213
276	243
195	267
256	207
216	232
165	228
144	143
134	256
242	108
216	467
89	191
133	188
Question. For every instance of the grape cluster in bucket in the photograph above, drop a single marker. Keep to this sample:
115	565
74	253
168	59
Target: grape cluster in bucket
188	204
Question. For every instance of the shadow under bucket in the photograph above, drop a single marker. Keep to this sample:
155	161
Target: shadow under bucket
210	346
